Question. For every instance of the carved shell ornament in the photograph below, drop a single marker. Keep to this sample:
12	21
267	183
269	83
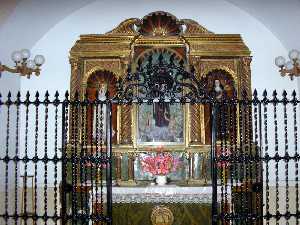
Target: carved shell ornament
159	23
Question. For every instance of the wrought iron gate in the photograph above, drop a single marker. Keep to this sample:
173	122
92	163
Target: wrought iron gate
86	161
254	150
256	160
47	168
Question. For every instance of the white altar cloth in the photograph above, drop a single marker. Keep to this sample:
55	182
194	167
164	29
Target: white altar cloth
159	194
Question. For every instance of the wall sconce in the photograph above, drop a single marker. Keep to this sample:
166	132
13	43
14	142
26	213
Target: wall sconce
24	66
290	68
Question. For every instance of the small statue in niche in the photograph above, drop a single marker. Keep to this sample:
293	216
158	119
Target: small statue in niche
218	89
101	114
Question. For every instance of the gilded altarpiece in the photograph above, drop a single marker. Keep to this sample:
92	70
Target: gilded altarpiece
98	60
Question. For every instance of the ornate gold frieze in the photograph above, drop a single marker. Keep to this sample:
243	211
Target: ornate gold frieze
159	41
100	47
218	49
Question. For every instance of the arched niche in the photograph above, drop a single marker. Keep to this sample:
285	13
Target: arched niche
228	86
98	83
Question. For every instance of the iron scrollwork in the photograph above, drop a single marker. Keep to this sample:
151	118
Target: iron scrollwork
161	79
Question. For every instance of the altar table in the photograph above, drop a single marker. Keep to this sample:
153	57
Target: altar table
136	205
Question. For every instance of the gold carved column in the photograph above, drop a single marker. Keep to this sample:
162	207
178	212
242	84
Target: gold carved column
76	74
245	75
196	112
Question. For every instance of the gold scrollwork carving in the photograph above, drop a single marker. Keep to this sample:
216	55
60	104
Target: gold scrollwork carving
126	27
194	28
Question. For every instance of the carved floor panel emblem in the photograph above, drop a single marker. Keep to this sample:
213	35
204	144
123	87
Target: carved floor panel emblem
162	215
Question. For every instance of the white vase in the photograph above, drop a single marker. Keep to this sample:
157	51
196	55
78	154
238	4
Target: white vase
161	180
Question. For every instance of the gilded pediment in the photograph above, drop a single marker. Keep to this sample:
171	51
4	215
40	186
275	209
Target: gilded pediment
194	28
159	24
127	27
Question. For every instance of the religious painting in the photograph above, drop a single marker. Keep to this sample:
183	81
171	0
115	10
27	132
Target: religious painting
161	122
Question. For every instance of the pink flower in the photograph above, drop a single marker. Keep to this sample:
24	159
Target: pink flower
160	164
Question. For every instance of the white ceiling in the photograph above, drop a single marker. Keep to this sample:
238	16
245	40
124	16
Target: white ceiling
281	17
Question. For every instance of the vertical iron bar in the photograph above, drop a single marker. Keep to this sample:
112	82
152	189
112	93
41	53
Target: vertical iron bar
226	155
286	155
56	103
221	160
109	157
241	167
102	157
86	104
73	161
266	156
18	103
64	162
98	156
231	155
36	104
294	101
246	157
214	209
260	163
8	103
26	158
257	157
91	153
236	160
82	145
76	161
45	160
277	156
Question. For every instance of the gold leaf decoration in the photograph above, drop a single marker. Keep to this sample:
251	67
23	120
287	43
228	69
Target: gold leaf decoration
125	133
195	124
194	28
126	27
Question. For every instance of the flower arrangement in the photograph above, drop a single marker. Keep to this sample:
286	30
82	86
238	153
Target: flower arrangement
161	163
